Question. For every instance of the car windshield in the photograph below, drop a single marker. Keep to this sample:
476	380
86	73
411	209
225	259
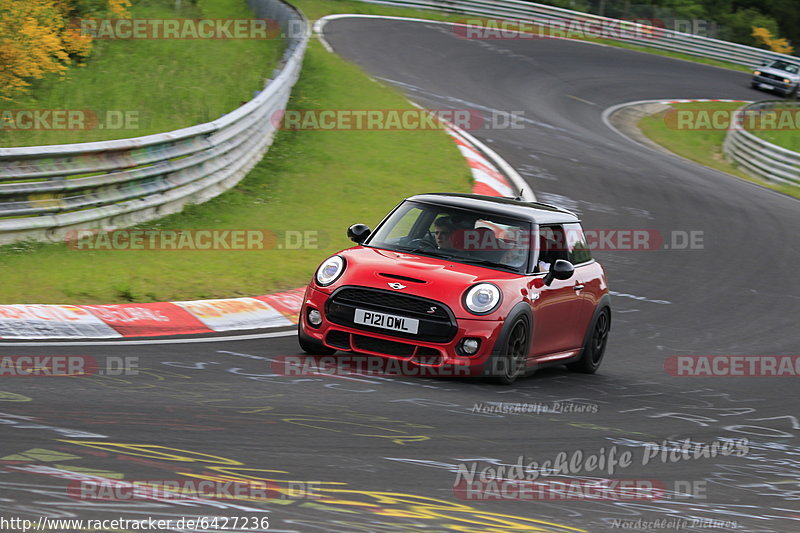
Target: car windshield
788	67
460	235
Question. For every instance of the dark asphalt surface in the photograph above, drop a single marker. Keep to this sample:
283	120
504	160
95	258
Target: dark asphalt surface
381	453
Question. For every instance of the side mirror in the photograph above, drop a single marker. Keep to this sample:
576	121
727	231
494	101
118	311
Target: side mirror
561	270
358	233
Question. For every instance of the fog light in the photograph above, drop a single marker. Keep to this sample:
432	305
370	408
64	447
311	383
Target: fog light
470	346
314	317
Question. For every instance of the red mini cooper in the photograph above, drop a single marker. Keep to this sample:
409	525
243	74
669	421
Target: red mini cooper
495	286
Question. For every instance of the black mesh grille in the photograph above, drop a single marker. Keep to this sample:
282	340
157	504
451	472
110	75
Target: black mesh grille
383	346
428	356
392	302
339	339
436	321
772	76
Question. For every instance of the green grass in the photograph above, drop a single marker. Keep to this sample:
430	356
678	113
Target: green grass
319	181
161	84
789	139
702	146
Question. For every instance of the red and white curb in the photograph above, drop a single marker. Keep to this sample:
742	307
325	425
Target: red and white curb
28	321
695	100
488	180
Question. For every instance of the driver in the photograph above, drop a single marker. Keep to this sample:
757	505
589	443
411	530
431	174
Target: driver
443	231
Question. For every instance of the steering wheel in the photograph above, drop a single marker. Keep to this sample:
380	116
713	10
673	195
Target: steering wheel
422	244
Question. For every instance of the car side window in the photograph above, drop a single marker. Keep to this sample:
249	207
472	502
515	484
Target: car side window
577	247
552	246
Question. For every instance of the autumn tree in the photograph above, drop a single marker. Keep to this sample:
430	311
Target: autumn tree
37	38
764	36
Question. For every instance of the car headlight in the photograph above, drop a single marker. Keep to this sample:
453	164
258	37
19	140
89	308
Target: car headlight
757	73
330	270
787	80
482	299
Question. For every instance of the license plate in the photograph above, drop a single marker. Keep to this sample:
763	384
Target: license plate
382	320
765	86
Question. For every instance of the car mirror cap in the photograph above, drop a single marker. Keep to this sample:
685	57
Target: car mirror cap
358	233
561	270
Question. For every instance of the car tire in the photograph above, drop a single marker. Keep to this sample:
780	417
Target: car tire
594	346
310	346
511	361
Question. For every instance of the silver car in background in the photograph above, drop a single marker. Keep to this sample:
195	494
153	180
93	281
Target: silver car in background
779	76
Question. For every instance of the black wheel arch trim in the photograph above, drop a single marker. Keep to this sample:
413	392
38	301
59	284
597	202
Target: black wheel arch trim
522	309
602	303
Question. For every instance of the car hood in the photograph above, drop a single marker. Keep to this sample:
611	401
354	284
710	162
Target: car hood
779	72
428	277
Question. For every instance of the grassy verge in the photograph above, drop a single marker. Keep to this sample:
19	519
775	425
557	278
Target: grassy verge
145	86
788	139
317	181
702	146
315	9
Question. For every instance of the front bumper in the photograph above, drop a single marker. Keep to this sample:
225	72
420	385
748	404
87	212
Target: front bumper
440	358
773	84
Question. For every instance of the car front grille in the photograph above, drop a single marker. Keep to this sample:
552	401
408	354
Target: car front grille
436	321
772	78
393	302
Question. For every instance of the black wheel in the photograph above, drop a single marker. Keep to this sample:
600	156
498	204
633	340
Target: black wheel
511	361
310	346
595	345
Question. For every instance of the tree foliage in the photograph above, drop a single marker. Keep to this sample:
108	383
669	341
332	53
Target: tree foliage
730	20
37	38
781	46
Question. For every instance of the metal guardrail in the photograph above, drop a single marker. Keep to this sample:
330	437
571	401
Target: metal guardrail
762	158
46	191
642	35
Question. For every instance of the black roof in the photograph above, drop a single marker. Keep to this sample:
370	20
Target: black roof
535	212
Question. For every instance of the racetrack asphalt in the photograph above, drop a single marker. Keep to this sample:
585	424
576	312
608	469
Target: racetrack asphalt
215	410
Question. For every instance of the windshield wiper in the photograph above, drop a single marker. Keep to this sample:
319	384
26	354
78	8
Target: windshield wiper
483	262
424	251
